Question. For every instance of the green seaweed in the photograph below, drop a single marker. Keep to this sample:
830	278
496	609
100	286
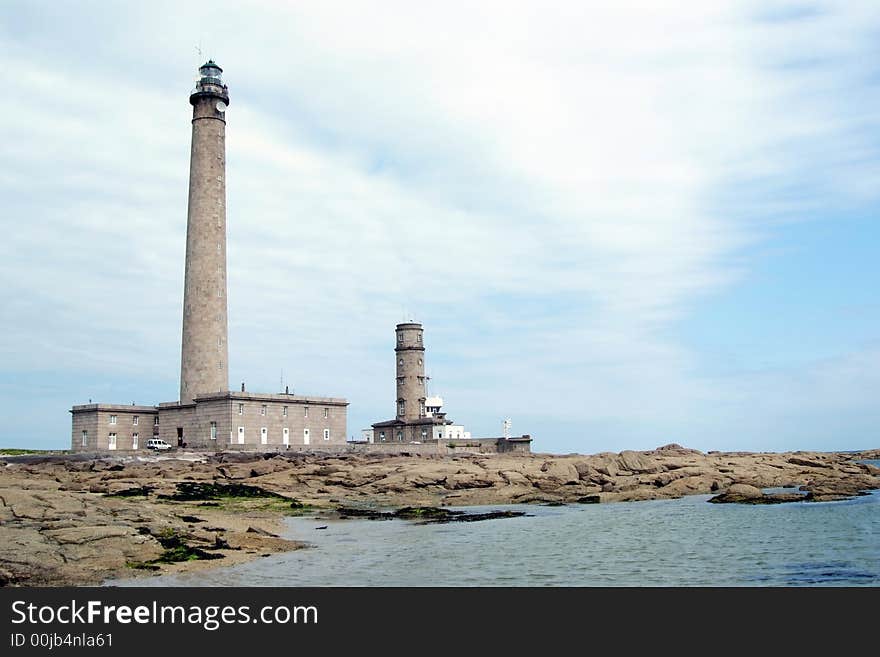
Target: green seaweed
176	549
196	491
137	491
425	514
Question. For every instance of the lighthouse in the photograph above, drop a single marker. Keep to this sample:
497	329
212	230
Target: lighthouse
204	366
410	354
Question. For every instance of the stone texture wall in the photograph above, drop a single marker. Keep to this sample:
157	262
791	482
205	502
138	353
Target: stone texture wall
204	357
409	352
473	446
95	418
254	412
173	416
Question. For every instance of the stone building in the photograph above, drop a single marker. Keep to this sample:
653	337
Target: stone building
244	419
420	418
99	427
208	415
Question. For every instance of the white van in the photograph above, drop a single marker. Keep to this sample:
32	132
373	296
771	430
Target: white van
157	443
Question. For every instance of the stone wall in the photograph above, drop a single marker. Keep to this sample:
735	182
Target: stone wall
443	447
254	412
245	416
409	353
174	416
97	420
204	350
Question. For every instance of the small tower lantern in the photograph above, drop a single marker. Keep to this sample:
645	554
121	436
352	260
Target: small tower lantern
210	85
211	73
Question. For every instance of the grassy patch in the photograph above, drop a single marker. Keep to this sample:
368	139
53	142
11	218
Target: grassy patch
236	498
283	505
14	451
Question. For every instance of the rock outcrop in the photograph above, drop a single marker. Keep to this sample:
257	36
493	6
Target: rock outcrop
74	520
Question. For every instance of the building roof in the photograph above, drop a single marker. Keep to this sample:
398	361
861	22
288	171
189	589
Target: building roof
118	408
266	396
413	423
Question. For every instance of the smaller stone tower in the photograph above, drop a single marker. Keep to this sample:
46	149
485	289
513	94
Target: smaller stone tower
410	355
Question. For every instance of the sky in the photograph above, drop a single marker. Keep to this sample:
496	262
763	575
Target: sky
622	224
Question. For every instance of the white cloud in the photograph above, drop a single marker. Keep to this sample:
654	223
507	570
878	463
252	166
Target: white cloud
539	183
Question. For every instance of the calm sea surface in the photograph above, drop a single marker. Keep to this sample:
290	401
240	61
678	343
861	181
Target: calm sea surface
666	542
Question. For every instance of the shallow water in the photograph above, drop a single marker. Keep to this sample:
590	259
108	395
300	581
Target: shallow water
684	542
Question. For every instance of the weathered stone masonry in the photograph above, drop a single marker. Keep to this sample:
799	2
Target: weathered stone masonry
204	360
208	415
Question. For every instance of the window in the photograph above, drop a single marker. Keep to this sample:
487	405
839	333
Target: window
401	408
419	338
284	412
382	436
213	431
400	380
326	434
241	409
263	409
85	438
400	362
420	361
134	420
134	440
112	419
111	441
421	409
326	413
400	337
156	421
400	436
424	434
307	411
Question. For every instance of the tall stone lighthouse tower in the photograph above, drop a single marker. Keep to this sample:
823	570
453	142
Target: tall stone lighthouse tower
204	366
410	354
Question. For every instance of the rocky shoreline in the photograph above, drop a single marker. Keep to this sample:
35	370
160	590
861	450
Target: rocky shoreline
73	520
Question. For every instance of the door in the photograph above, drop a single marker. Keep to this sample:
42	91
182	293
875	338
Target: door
264	436
285	436
134	441
111	441
305	436
241	435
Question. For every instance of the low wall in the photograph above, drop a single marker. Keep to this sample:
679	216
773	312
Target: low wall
445	447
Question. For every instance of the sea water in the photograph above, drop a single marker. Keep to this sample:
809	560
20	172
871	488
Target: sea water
684	542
